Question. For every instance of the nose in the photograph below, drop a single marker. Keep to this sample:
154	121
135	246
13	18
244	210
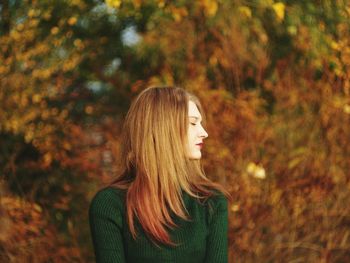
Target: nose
202	132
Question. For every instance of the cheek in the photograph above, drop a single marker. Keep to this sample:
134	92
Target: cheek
191	134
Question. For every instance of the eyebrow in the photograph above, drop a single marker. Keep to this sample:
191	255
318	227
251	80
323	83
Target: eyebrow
195	117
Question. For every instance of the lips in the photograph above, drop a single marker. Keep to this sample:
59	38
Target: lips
200	145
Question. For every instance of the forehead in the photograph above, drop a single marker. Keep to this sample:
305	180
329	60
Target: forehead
193	109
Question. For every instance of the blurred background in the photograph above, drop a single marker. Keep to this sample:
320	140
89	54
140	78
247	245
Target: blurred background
274	79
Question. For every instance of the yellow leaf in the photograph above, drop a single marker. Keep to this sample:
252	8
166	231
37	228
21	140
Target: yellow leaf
78	43
37	208
279	9
54	30
178	13
114	3
177	17
47	159
235	208
344	239
346	108
292	30
34	22
260	173
15	125
211	7
20	27
72	21
294	162
15	35
36	98
47	15
335	45
31	13
245	10
161	3
29	135
89	109
251	168
78	3
256	171
67	146
276	197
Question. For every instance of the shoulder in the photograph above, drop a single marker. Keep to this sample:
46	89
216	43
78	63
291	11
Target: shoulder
107	199
217	199
216	204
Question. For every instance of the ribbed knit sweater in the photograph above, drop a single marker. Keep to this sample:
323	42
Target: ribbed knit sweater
203	239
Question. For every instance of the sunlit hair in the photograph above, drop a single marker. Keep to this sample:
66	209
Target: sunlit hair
156	169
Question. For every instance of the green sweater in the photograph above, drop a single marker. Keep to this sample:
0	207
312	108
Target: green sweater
203	239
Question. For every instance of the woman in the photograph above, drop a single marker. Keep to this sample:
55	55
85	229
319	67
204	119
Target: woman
161	208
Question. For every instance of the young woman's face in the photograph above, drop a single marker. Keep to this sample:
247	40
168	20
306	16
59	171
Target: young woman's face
196	132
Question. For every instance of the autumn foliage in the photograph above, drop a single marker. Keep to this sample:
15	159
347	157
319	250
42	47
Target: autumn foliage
273	77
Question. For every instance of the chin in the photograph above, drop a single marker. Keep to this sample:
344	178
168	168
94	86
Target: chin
195	156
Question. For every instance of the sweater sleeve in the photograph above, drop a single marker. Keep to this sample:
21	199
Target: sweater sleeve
105	217
217	239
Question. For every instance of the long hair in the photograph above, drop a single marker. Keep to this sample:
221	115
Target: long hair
155	168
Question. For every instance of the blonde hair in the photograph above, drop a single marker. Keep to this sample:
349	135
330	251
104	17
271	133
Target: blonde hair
155	168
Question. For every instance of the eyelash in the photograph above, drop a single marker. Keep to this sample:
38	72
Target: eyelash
194	124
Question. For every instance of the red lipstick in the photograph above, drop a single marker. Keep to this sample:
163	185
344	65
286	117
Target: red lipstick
200	145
